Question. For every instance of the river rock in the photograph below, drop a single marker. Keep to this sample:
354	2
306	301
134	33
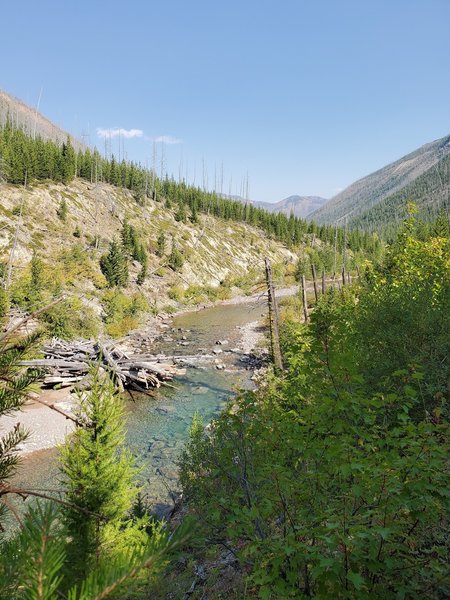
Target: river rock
217	351
222	342
168	409
200	390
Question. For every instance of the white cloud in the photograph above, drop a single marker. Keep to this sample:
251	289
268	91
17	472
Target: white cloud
119	131
167	139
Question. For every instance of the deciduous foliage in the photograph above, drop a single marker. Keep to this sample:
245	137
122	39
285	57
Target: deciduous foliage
331	480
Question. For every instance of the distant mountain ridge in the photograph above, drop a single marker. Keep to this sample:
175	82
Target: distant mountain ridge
367	193
299	206
32	121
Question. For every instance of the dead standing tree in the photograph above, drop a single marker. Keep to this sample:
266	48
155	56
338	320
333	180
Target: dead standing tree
304	300
273	318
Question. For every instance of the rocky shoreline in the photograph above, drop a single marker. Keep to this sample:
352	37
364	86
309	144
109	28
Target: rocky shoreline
48	428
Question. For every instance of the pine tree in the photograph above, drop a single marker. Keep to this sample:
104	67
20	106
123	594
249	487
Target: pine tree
161	244
62	210
127	236
37	283
176	260
98	476
114	265
180	215
14	386
194	214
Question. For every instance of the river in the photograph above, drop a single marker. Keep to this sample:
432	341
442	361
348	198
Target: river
157	428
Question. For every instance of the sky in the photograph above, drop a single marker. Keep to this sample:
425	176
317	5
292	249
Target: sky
293	96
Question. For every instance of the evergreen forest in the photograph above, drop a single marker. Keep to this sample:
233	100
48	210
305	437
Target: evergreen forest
25	159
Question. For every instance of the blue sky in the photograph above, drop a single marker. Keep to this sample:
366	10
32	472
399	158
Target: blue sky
304	96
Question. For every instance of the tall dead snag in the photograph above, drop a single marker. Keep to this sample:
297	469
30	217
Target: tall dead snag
273	318
305	304
323	283
316	292
343	276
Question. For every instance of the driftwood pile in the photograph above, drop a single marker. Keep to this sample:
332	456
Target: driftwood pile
68	364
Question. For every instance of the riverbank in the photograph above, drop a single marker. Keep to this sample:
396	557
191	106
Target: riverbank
48	428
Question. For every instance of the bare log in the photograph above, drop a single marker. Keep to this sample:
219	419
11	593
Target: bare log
67	364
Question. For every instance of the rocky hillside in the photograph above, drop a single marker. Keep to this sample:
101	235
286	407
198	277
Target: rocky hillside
218	254
369	191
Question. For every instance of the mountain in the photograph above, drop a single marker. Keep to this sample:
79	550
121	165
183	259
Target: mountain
409	174
32	121
430	193
300	206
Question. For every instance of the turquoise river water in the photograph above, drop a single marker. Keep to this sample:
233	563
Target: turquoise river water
158	427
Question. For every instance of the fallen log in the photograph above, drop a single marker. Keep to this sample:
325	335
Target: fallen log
106	356
69	363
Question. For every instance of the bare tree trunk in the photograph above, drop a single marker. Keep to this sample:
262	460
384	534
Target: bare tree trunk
305	304
316	292
273	318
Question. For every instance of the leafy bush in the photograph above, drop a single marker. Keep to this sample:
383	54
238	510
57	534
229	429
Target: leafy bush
330	481
71	319
320	500
122	313
176	292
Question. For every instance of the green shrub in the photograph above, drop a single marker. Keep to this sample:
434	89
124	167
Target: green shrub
122	313
62	210
71	319
175	260
4	304
330	481
176	293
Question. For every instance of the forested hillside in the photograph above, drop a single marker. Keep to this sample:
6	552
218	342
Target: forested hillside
132	244
31	121
394	181
27	159
430	193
